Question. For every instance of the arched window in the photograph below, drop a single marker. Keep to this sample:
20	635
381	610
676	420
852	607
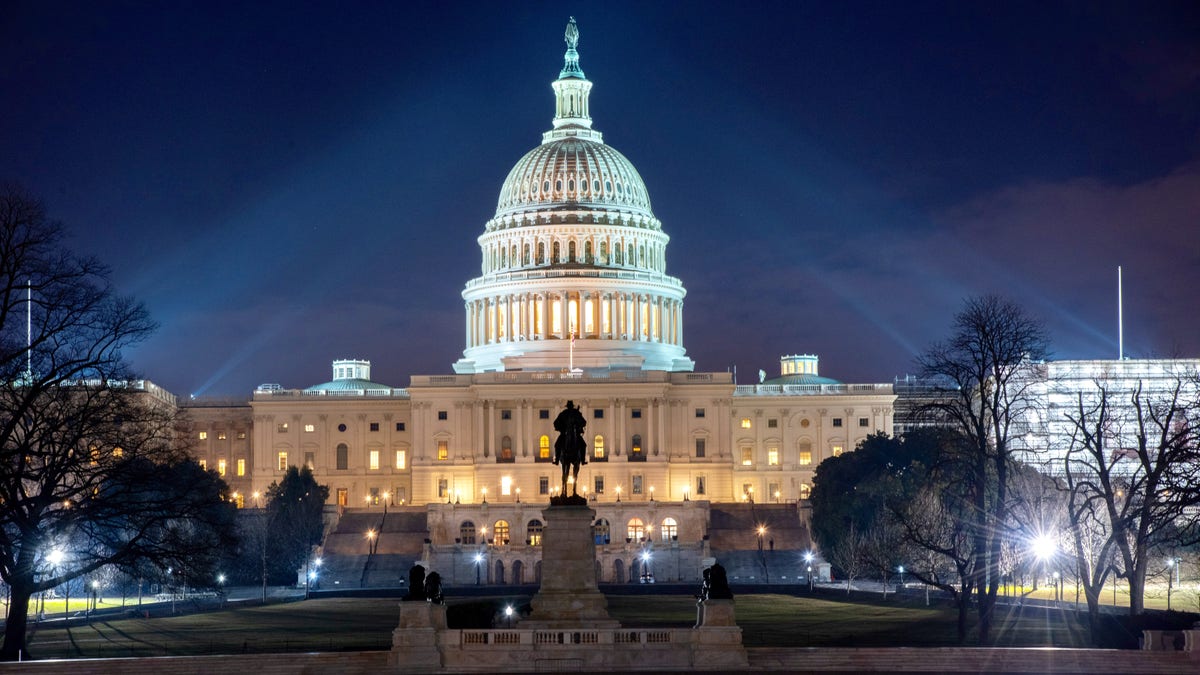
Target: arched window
343	457
506	453
571	251
544	447
598	448
635	449
635	530
600	531
533	532
669	529
541	253
805	491
554	253
525	257
604	253
587	252
500	532
466	532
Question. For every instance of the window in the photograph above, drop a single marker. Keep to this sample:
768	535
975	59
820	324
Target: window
373	460
864	422
241	467
745	422
282	428
401	459
466	532
241	435
221	435
544	448
636	413
343	497
837	450
343	457
500	532
203	435
239	499
543	485
204	464
506	414
805	491
700	485
772	456
600	530
699	412
598	448
636	447
309	428
443	415
533	532
506	453
635	529
700	449
598	414
805	455
342	428
747	455
374	426
772	423
669	529
443	489
443	450
506	485
543	414
309	460
282	464
748	490
837	421
598	484
399	426
637	484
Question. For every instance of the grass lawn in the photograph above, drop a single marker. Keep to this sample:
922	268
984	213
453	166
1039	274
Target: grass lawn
348	624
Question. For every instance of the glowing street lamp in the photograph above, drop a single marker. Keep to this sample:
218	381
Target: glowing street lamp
686	490
478	563
257	498
371	535
618	493
651	493
808	559
484	491
1171	579
901	570
518	495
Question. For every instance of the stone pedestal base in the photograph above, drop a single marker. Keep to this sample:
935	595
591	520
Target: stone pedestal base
569	597
415	640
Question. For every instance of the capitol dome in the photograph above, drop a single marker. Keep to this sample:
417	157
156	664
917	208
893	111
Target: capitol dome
573	274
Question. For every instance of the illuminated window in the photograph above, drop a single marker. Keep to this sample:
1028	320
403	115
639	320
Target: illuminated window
637	484
373	459
241	467
500	532
310	460
343	457
669	529
745	422
636	449
204	464
443	450
837	450
635	529
837	421
220	435
600	532
203	435
506	485
700	447
772	456
401	459
506	453
309	428
343	497
239	499
443	487
805	491
747	455
241	435
747	489
118	452
466	532
282	463
598	484
805	457
598	447
221	467
533	532
544	447
282	428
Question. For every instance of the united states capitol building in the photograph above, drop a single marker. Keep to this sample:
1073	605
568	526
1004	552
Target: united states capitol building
573	303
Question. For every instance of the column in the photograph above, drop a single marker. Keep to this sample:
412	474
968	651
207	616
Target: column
565	324
661	426
477	426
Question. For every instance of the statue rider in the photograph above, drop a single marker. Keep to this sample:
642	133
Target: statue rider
569	424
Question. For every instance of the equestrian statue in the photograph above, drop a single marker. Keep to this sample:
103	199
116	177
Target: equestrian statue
570	451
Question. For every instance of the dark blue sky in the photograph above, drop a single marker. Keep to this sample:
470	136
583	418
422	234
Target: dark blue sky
287	183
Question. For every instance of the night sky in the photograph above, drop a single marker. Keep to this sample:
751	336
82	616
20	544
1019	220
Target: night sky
286	183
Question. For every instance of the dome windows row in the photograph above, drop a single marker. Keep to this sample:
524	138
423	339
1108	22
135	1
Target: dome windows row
501	257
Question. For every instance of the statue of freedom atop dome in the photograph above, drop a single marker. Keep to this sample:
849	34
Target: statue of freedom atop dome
572	35
570	450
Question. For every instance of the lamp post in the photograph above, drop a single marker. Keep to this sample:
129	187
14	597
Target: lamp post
518	495
386	496
371	542
484	491
808	558
257	499
95	599
478	562
901	569
686	493
367	499
651	493
1171	562
1058	588
618	493
310	574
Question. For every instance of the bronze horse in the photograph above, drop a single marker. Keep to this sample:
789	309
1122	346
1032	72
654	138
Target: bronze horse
570	450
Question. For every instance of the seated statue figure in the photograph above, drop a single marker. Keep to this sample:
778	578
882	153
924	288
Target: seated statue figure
718	583
433	589
416	584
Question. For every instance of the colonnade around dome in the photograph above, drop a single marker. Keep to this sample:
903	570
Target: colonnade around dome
587	315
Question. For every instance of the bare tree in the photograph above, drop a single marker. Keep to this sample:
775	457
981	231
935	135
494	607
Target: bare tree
984	364
943	557
1132	472
851	555
89	473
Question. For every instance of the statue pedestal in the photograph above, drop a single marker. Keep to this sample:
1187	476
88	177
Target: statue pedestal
415	640
569	597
